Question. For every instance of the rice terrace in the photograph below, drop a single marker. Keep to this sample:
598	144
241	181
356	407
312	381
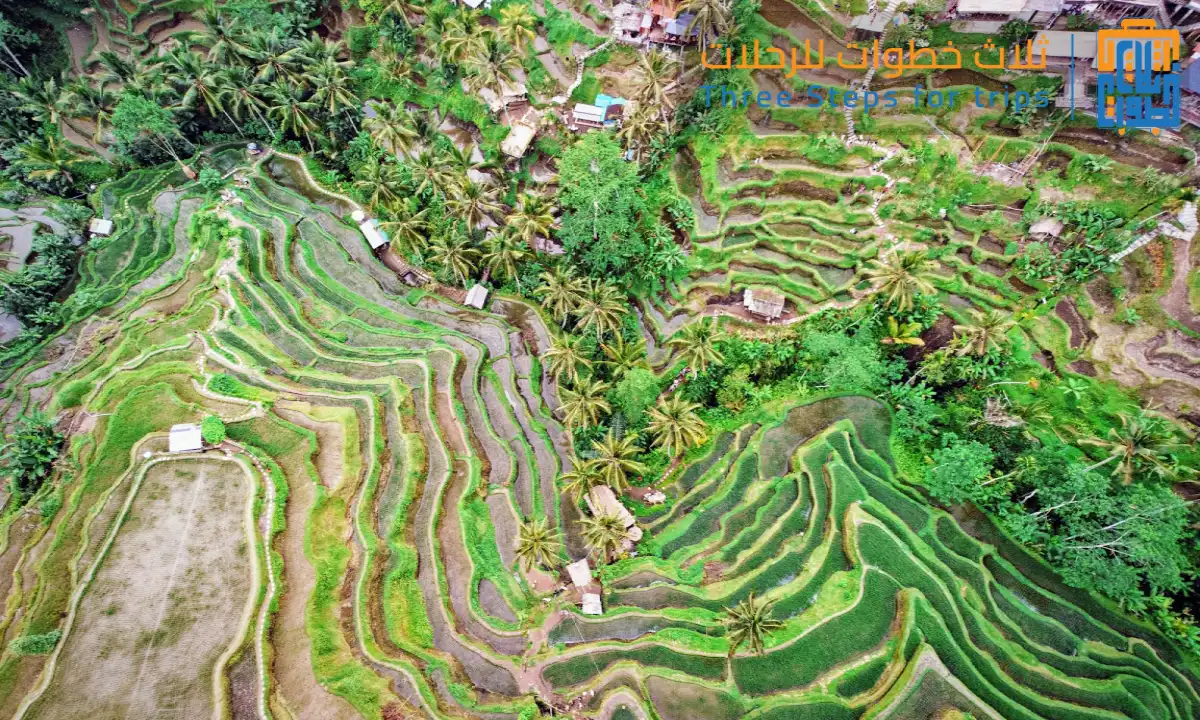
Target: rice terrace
432	359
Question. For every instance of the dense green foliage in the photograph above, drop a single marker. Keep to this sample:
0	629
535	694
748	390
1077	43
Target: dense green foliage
28	454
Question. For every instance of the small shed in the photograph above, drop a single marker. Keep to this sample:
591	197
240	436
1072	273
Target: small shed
580	572
185	438
100	226
1062	45
591	604
587	116
477	296
875	24
369	227
518	140
763	303
253	149
1045	228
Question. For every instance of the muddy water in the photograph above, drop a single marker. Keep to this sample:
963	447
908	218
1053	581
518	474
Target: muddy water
291	174
1137	154
783	14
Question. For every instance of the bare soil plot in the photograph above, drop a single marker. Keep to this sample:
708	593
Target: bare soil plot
165	605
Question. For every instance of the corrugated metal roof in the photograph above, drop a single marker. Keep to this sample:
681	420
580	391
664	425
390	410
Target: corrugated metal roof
185	438
990	7
588	113
1058	44
580	572
375	237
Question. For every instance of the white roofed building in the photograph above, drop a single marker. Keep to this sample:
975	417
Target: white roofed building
185	438
369	227
763	303
477	297
581	573
100	226
585	116
517	142
591	604
1038	12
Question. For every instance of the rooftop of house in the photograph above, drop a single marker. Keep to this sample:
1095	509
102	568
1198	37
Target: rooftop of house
1046	226
991	7
591	604
1058	44
763	302
603	501
100	226
517	141
185	437
376	238
477	296
588	113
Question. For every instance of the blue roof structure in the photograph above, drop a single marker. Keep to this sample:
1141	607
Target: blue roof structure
1191	78
603	101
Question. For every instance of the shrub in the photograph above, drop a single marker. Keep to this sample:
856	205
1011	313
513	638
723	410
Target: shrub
72	393
50	506
35	644
210	179
28	456
213	429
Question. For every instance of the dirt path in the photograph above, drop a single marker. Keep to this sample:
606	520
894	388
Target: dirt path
1176	302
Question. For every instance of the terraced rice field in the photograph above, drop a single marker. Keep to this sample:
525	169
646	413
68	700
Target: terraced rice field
355	553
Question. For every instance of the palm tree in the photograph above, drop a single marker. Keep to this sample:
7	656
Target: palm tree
292	111
654	72
196	80
639	128
900	277
332	89
95	103
580	481
455	254
675	426
902	333
275	59
538	543
41	98
712	18
696	344
392	65
244	97
987	331
600	307
220	34
566	357
614	460
623	356
390	129
534	219
604	532
749	622
49	160
379	182
407	228
462	37
432	174
115	69
501	253
491	65
517	26
584	403
317	50
1141	443
560	293
474	203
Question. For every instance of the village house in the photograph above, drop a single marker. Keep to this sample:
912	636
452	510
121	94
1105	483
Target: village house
602	500
606	111
517	142
1063	45
101	227
476	297
1040	13
873	25
369	227
763	303
659	24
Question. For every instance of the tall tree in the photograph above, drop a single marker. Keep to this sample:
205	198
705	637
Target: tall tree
136	117
456	255
697	345
566	357
379	183
1141	444
580	480
901	276
584	403
293	111
532	220
501	254
517	25
615	460
604	532
749	622
600	307
475	202
560	293
49	160
407	227
675	426
390	128
655	74
538	543
987	331
711	18
621	356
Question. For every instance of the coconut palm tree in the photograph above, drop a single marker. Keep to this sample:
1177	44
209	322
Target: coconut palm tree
600	307
41	98
392	65
697	345
196	81
604	532
49	160
654	74
1140	444
517	25
276	61
560	293
711	17
379	182
90	102
501	253
639	128
433	175
749	622
538	543
317	50
986	331
584	476
390	129
474	202
623	357
293	112
462	36
533	219
614	460
455	254
566	357
244	97
332	90
584	403
221	34
407	226
900	277
675	426
115	69
491	64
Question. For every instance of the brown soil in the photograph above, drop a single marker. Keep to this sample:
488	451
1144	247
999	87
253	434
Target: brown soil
991	244
243	688
1176	302
1083	367
1080	332
164	605
331	437
789	189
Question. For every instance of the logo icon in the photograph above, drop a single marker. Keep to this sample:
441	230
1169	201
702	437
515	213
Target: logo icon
1138	80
